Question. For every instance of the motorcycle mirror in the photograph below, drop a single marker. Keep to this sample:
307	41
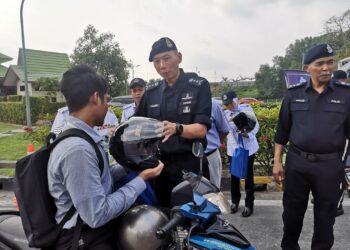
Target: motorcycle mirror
181	194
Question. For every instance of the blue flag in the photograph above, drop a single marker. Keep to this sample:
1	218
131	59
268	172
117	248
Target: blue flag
295	77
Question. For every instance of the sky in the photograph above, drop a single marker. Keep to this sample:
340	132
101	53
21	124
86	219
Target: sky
217	38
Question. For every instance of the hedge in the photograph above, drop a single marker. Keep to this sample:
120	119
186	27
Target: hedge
15	112
14	98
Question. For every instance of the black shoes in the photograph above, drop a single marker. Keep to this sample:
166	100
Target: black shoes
234	208
248	211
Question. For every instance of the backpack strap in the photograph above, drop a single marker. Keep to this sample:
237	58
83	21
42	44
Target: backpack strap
74	132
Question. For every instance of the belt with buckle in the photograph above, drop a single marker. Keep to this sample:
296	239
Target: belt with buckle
315	157
210	152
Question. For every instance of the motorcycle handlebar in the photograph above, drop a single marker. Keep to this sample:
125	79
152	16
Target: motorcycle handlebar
164	230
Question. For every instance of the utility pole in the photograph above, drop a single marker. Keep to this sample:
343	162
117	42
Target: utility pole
24	60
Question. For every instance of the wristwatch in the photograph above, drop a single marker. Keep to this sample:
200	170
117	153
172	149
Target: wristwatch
179	129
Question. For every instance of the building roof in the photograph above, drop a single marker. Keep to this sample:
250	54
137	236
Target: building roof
39	64
3	70
4	58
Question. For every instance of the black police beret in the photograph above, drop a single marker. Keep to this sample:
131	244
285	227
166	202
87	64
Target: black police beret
228	97
162	45
339	74
318	51
137	82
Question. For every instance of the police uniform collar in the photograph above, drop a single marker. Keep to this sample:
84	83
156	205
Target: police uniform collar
330	85
179	81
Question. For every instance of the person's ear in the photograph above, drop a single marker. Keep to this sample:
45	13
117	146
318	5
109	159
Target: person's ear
180	57
94	98
306	67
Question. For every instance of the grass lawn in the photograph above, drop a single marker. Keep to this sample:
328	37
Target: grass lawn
7	172
14	147
7	126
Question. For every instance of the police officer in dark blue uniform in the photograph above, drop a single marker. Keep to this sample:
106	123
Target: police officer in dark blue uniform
183	102
314	118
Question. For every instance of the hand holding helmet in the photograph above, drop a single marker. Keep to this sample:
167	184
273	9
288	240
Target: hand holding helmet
134	143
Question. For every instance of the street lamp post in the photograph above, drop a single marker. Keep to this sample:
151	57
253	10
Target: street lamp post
132	68
29	120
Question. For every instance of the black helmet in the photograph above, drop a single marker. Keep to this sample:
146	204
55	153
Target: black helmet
134	143
245	121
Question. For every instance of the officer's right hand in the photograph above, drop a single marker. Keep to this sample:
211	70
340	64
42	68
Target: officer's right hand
152	172
278	172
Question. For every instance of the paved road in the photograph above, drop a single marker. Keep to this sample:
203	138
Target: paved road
264	227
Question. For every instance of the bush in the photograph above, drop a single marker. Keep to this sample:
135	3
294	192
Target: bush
3	98
38	134
15	112
52	107
267	115
118	112
14	98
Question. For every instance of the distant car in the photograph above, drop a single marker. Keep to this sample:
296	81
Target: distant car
250	100
121	101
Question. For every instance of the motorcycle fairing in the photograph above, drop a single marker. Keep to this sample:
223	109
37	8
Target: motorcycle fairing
214	244
201	209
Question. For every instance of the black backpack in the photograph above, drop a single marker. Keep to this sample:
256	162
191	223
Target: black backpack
36	205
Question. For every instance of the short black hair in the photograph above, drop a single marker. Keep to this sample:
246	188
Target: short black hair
79	83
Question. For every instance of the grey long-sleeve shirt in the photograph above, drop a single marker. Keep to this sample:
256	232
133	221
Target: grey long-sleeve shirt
74	178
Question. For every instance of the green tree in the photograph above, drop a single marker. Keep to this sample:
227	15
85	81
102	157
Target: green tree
49	84
104	54
266	80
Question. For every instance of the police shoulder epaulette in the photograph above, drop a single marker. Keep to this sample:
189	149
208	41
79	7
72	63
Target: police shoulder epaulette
196	81
244	105
153	85
63	109
296	85
340	83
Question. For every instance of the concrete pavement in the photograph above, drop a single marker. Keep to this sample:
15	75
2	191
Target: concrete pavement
264	228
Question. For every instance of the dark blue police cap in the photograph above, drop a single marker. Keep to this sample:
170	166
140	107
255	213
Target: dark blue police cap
162	45
228	97
339	74
318	51
137	82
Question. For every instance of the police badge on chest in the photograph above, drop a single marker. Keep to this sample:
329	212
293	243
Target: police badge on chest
186	101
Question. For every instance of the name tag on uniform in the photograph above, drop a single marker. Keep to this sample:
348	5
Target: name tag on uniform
154	106
301	100
336	101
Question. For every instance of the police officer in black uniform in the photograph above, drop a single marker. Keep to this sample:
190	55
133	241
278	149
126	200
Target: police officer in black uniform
314	118
183	102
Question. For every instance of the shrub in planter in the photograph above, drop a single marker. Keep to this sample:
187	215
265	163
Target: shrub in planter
118	112
267	115
38	134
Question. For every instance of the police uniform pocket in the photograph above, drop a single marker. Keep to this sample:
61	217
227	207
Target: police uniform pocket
300	110
186	110
335	111
154	110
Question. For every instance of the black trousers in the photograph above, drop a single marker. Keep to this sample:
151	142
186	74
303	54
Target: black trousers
323	179
249	185
174	165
